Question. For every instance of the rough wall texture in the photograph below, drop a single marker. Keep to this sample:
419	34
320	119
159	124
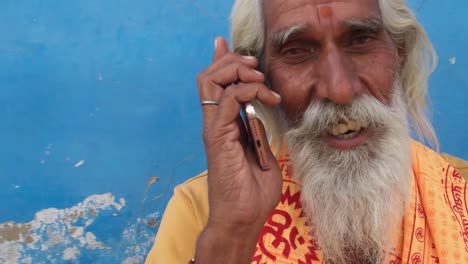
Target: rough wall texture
100	117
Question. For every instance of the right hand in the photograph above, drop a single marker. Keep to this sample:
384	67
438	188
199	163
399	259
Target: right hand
241	195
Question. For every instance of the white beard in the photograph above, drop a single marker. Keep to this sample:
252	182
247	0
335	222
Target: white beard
355	198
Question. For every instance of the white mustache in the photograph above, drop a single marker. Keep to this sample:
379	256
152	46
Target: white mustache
321	117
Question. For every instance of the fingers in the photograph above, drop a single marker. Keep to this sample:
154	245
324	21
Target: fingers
227	68
207	88
232	73
215	83
231	58
235	95
221	48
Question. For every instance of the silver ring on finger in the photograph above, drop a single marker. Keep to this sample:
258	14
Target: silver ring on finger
209	102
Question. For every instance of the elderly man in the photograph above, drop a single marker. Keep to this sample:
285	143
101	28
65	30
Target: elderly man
335	82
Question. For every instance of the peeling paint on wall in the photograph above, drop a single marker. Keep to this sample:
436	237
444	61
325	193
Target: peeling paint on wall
57	235
453	60
79	163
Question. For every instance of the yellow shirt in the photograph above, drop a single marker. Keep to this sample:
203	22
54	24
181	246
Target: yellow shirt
434	229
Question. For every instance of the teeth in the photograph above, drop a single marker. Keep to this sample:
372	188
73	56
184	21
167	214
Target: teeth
342	128
352	125
335	131
350	135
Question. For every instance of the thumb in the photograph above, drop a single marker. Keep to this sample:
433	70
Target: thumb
221	48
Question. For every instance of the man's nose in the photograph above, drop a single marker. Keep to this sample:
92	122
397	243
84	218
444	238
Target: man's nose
338	81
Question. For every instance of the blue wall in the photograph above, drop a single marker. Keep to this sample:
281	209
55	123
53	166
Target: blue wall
99	117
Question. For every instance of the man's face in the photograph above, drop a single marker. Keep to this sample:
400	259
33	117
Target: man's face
331	51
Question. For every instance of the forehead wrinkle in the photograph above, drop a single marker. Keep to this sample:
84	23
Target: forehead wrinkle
283	8
284	35
274	17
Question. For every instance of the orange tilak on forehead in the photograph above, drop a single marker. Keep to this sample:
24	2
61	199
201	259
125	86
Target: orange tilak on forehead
325	11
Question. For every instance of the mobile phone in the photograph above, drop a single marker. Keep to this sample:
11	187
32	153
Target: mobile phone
256	134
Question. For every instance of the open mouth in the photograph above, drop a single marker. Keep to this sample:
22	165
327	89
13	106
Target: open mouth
346	130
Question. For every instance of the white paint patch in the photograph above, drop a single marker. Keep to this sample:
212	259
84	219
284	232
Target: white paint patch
122	201
9	252
71	253
153	215
78	232
47	216
453	60
79	163
92	243
55	237
58	234
47	150
133	260
26	260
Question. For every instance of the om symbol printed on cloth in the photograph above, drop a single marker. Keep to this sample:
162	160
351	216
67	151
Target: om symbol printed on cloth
286	236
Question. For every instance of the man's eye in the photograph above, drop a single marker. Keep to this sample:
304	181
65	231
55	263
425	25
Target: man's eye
361	39
297	51
297	54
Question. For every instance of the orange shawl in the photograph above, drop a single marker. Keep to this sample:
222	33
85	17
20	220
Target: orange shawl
434	230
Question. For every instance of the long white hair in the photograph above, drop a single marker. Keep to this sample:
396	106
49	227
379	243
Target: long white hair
419	59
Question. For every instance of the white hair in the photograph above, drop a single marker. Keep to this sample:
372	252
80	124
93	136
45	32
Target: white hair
418	62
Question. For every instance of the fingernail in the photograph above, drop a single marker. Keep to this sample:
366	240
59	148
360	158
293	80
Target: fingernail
249	57
259	73
216	43
275	94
